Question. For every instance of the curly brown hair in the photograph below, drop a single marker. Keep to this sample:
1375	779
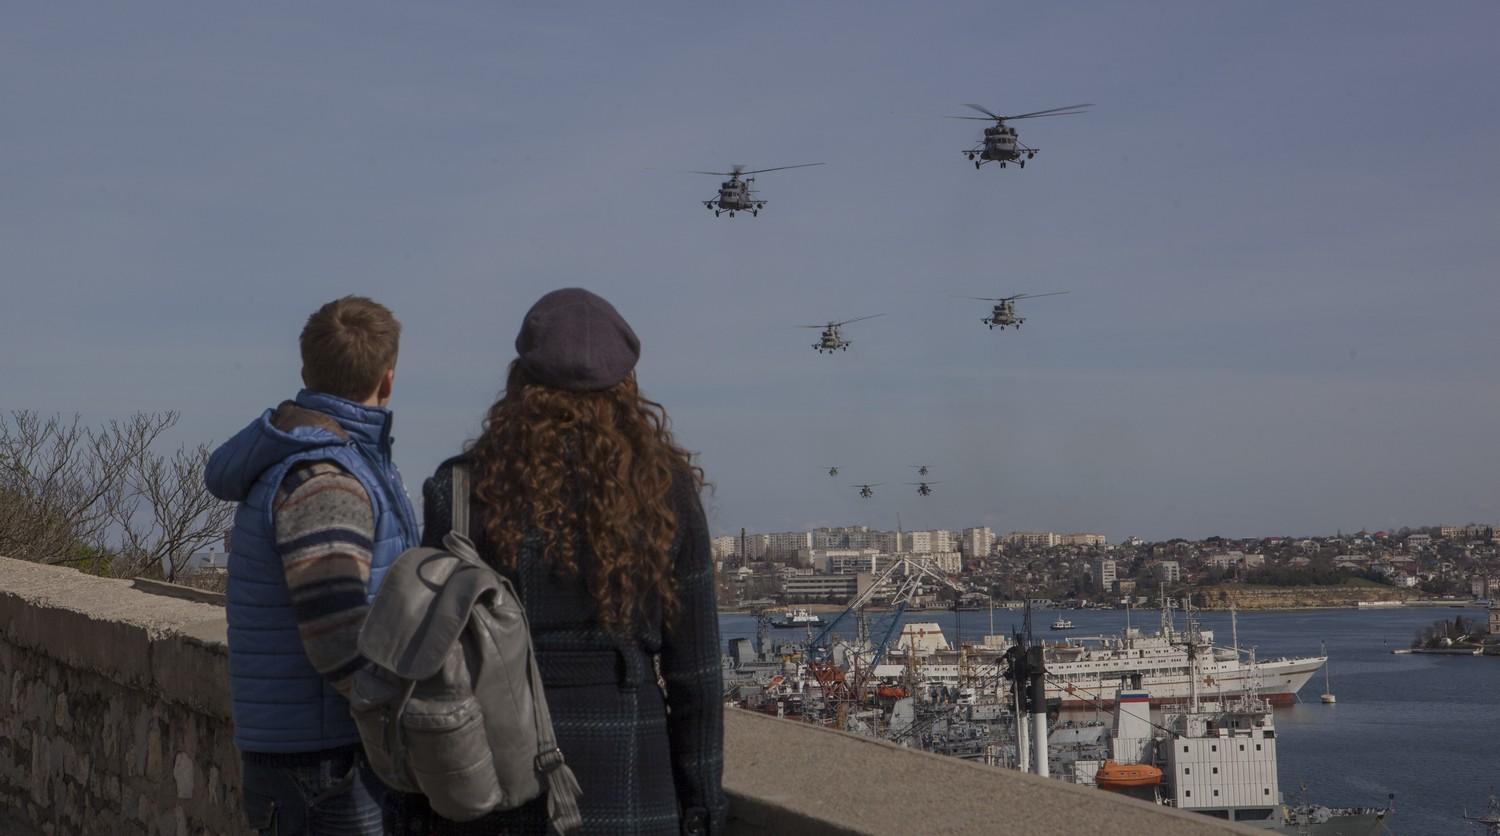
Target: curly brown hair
593	468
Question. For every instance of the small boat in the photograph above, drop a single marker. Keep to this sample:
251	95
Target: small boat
1328	698
1124	776
797	618
1062	624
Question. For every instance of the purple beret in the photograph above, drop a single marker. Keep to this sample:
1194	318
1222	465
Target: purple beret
572	339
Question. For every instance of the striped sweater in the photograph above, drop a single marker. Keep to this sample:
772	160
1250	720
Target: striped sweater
325	526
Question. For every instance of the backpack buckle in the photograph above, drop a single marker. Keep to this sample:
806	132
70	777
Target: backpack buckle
548	762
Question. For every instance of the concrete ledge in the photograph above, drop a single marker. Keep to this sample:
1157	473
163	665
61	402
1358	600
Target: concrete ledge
105	626
785	777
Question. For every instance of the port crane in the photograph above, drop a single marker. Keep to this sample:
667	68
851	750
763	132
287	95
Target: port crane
909	575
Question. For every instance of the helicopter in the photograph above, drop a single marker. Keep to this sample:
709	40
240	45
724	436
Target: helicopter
1000	143
924	488
1004	313
831	340
868	491
922	470
735	194
833	471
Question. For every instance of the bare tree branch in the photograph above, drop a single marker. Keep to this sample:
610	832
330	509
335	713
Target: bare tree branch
103	498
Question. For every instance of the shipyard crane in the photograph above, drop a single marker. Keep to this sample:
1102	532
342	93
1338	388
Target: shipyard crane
907	573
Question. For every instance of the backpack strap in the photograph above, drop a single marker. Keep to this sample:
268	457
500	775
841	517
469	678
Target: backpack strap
562	786
460	478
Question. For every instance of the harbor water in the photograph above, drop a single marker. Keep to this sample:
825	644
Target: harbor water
1426	728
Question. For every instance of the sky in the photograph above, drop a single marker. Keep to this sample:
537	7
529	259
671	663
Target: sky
1277	228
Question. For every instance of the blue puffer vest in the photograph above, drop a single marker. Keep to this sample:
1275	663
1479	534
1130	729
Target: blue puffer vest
281	703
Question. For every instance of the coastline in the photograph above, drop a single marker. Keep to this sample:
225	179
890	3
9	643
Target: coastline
821	609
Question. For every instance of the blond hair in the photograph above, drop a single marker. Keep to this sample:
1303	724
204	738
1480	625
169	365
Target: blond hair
347	347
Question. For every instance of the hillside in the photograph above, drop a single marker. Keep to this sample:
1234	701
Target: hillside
1250	597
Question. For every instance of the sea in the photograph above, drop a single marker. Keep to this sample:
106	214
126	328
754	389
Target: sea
1424	728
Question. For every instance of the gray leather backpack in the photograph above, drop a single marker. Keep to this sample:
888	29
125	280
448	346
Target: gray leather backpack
451	705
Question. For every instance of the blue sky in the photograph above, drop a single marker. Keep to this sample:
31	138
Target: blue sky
1277	228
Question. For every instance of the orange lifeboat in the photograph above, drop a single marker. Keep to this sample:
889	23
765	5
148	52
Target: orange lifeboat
890	692
1125	776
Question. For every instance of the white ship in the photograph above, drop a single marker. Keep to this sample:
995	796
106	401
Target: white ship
1085	672
796	618
1062	624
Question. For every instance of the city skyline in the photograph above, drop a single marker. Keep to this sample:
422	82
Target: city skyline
1280	262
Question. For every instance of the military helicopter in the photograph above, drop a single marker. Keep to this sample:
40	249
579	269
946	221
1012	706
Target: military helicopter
921	470
831	340
868	491
924	488
833	471
1004	314
1000	143
735	194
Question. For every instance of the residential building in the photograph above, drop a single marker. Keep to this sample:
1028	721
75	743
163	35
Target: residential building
943	540
1031	539
1081	539
1104	575
950	562
887	542
785	545
1167	571
1224	560
724	547
977	542
919	542
836	588
844	561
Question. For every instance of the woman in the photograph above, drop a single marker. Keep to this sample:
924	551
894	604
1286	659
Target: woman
582	497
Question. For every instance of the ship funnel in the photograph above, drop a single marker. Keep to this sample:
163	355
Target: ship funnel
1132	731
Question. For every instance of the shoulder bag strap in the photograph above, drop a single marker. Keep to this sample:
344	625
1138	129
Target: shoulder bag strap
460	478
562	787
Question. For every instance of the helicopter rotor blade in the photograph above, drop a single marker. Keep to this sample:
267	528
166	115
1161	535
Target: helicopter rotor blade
715	173
1070	110
779	168
983	299
1040	295
986	111
858	319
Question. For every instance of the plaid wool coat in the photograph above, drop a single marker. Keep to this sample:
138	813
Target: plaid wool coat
648	762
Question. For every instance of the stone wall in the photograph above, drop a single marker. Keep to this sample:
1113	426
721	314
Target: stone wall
113	709
114	720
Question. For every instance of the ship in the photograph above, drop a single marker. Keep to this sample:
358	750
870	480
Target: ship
796	618
1215	758
1489	822
1062	624
1085	672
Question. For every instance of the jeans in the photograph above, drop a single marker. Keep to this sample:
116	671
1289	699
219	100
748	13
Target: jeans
321	794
